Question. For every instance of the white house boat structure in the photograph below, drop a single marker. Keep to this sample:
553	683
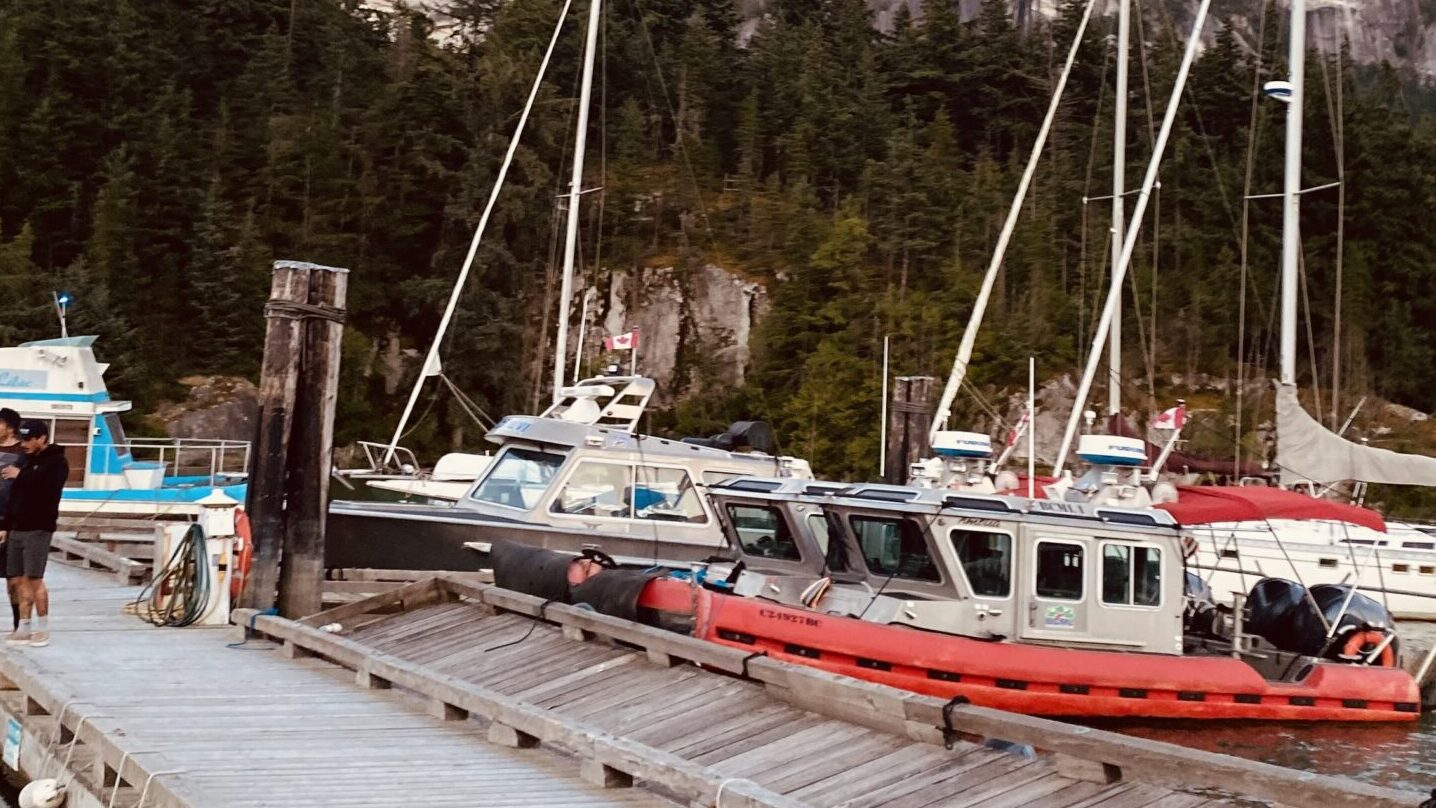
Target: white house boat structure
60	382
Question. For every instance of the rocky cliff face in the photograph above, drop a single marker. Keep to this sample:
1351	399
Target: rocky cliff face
1402	32
694	324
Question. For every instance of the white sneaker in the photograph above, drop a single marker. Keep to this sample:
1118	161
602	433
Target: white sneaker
39	639
18	638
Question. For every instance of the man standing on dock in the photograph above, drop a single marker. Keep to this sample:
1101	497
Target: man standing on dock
10	455
30	522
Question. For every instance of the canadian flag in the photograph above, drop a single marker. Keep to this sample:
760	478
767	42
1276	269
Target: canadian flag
1174	418
1018	431
622	342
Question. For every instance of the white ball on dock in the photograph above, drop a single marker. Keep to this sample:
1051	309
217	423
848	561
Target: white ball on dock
47	793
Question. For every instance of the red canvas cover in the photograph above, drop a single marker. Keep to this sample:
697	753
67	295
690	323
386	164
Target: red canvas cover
1198	505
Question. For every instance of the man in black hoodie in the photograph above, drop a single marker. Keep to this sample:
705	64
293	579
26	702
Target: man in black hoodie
10	455
30	522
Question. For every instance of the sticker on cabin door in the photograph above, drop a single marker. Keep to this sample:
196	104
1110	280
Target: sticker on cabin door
12	744
1059	617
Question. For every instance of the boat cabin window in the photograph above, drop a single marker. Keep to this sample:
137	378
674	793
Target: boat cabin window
1059	570
763	532
1131	575
518	478
667	495
986	561
597	489
624	491
116	430
894	547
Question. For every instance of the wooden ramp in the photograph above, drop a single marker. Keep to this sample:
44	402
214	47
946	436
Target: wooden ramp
193	722
625	699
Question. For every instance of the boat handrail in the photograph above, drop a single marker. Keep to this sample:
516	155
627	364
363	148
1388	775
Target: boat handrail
383	458
220	457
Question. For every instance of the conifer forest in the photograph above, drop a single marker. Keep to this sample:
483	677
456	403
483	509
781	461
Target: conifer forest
157	155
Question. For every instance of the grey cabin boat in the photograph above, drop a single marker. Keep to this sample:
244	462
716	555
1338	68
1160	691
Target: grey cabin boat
577	477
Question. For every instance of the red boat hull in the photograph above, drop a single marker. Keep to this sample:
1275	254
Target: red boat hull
1034	679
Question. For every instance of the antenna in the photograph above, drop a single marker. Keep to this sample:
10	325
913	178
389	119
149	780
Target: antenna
62	304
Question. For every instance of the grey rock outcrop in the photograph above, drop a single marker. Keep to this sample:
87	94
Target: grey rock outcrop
695	325
217	407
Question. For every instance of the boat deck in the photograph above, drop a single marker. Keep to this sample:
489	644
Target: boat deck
448	693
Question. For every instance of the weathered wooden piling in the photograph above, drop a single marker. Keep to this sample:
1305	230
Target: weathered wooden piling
289	480
909	418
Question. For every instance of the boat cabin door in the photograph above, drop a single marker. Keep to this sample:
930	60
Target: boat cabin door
1054	585
1108	590
985	552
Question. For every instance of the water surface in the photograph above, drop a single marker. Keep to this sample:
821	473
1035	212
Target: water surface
1401	756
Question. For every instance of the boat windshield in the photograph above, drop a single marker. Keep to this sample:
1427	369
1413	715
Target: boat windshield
519	478
894	547
763	532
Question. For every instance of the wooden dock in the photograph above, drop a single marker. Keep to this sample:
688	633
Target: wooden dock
444	692
189	721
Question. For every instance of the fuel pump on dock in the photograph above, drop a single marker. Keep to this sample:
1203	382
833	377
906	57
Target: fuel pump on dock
193	567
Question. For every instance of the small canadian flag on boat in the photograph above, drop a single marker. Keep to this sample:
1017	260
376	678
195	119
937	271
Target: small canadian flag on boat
1014	434
1174	418
622	342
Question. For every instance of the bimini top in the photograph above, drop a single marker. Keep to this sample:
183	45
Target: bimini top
1199	505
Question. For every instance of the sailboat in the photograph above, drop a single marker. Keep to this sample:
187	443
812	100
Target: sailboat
578	477
1396	561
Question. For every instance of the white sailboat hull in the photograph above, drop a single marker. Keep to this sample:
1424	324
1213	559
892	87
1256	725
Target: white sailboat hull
1232	557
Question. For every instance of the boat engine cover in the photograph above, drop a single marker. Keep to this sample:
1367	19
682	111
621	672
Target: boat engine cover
531	570
1270	608
1361	613
1281	612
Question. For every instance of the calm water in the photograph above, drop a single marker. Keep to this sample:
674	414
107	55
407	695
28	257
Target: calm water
1398	757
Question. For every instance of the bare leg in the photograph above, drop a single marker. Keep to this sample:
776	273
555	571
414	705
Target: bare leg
27	598
12	586
40	594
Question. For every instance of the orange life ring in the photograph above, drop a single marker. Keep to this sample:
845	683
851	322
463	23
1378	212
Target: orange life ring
1360	643
243	555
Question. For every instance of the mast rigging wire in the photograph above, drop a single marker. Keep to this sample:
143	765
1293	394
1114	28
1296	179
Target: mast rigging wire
1254	120
1130	240
431	361
969	336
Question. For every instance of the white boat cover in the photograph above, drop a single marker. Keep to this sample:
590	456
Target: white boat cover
1306	450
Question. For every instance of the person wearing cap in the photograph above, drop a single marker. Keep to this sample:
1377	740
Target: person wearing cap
10	455
30	523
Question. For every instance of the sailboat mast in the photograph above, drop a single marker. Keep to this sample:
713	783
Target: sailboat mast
1139	209
575	191
432	365
999	252
1119	181
1291	196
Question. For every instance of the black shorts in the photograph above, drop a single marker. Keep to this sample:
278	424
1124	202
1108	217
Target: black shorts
26	552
